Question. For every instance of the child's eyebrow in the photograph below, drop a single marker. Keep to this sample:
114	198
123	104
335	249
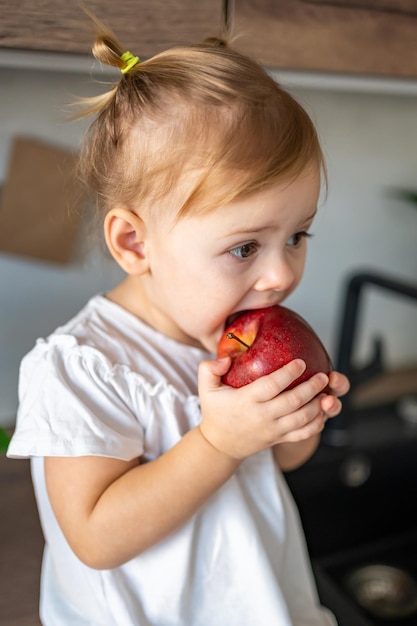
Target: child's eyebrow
245	231
312	216
242	232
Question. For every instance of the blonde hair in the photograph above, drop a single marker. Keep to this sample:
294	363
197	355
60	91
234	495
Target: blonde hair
203	109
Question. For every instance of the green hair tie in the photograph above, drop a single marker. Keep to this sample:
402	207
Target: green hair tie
129	60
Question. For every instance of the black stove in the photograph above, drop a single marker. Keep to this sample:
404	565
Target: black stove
358	508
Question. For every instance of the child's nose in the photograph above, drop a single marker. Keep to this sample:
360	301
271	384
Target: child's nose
277	275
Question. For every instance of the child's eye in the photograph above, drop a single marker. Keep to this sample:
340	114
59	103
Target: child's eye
296	239
245	250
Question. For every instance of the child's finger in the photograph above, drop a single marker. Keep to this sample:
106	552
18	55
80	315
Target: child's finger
210	372
267	387
331	405
291	401
338	383
302	423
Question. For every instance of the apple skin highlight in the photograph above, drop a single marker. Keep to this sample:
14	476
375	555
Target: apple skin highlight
275	336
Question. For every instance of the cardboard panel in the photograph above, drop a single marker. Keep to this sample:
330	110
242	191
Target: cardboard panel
40	203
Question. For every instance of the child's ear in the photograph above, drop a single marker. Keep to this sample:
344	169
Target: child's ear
124	232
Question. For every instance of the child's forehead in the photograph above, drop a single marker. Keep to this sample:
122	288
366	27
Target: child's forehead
297	191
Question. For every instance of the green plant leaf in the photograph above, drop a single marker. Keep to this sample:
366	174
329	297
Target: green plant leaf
407	195
4	440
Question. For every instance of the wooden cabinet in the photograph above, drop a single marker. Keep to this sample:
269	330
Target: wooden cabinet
359	37
376	37
143	26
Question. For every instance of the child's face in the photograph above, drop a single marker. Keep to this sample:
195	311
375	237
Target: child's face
247	255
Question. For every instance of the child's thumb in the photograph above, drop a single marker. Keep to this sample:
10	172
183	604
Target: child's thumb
210	372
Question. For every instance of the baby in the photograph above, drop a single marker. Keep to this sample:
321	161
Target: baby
160	489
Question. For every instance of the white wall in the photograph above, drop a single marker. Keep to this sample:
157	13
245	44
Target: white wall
370	140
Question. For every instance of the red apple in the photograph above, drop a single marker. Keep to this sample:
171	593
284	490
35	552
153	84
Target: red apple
263	340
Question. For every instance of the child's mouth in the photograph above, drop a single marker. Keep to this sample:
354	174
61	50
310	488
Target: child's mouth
233	317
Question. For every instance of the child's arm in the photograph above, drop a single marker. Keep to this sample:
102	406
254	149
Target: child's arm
111	510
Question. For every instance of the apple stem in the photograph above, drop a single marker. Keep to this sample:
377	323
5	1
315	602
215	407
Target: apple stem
233	336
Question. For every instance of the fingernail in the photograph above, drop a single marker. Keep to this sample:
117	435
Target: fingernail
301	364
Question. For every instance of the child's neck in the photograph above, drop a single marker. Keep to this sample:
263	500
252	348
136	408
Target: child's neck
131	294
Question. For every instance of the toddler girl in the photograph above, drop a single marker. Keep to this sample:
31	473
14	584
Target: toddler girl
161	494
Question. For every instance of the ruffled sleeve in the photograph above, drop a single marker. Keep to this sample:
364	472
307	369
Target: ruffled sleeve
73	401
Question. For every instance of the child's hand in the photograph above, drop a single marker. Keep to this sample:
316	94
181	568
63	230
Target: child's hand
296	451
241	422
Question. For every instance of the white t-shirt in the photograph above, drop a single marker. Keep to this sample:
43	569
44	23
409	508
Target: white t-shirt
106	384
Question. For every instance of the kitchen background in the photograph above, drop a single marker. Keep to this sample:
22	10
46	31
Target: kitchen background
353	64
368	128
